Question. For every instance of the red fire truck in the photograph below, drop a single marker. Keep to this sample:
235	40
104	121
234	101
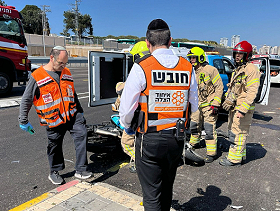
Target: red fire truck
14	64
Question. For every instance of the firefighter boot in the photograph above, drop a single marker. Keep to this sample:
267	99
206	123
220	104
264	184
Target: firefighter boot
226	162
209	159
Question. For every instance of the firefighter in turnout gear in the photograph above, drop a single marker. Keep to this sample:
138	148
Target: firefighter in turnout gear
163	84
210	91
242	91
139	50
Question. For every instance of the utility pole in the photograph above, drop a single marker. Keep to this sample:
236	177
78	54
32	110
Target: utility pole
76	12
44	20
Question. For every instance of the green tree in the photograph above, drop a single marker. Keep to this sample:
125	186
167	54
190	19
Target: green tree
32	20
84	23
2	3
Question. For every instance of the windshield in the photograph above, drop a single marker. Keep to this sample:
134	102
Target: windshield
12	30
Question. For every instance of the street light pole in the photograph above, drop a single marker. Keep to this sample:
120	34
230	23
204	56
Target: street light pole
44	18
76	12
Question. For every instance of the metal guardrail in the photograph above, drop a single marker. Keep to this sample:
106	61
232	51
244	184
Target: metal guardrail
71	60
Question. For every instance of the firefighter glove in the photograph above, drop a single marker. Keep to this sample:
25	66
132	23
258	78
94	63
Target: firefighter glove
27	127
228	104
129	131
214	109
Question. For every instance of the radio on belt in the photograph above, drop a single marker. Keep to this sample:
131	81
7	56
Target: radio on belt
180	130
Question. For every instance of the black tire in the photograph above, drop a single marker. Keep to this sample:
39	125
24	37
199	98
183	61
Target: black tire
193	156
6	84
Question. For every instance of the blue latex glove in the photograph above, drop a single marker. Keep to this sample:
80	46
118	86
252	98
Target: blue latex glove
119	124
129	131
28	128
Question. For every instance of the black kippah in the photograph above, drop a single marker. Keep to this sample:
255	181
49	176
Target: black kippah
158	24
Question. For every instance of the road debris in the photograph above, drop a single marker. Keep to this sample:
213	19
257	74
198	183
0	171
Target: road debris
236	207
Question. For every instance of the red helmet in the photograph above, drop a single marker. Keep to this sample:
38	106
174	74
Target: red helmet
243	47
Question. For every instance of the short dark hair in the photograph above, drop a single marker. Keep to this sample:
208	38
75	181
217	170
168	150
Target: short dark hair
56	51
158	33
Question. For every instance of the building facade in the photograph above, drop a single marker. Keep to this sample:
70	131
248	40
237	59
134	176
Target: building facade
224	41
234	40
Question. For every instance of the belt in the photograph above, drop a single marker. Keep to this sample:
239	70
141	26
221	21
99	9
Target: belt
171	131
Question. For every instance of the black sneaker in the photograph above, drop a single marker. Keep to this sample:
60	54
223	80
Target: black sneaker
55	178
83	174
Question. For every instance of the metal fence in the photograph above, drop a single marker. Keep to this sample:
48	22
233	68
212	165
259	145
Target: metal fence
87	41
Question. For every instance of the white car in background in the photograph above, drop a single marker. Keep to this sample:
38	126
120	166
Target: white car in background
274	66
267	64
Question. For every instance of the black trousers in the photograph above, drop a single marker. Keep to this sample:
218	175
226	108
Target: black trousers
78	131
157	158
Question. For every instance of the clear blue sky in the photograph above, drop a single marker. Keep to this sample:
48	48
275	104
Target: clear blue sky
256	21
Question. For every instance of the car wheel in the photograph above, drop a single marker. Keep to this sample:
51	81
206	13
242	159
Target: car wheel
6	84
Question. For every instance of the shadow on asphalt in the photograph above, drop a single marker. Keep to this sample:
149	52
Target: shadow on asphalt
209	200
68	174
101	162
262	117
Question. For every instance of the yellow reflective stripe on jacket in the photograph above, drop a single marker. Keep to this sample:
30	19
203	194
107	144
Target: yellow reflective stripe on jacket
250	108
256	80
204	104
215	79
245	105
204	80
241	77
217	99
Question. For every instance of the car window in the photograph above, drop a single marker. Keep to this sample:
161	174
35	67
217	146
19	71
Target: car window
218	63
228	66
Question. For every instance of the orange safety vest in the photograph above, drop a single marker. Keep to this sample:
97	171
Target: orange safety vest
56	102
165	98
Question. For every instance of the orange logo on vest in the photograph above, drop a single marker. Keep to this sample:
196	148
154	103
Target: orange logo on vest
178	98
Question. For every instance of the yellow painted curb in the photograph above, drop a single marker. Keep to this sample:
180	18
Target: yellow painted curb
31	202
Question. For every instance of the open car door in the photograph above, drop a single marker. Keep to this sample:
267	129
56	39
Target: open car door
105	70
263	64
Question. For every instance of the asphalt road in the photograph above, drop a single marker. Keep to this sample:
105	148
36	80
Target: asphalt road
212	187
23	160
254	186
